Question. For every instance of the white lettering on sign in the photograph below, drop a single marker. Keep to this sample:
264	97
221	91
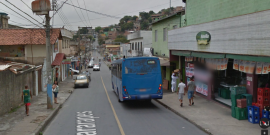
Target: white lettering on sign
86	123
249	78
205	36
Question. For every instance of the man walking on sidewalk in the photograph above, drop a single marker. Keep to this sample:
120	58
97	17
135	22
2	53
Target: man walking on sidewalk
174	78
191	89
26	97
181	92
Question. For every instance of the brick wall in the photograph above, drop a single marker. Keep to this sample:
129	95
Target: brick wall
11	89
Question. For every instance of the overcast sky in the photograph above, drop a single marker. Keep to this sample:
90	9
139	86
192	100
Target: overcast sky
116	8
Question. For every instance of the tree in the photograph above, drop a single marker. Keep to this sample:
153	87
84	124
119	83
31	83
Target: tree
75	37
121	38
94	40
101	41
90	37
144	25
151	12
106	29
134	18
84	30
97	29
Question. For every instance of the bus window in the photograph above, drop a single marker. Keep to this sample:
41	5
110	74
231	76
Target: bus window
120	71
141	66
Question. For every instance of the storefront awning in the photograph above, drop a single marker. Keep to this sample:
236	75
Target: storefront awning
208	55
181	53
164	62
58	59
249	58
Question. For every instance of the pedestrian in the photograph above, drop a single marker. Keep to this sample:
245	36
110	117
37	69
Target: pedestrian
181	91
174	78
55	89
26	98
191	90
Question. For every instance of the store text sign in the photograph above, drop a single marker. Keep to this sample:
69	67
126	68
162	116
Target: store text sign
203	38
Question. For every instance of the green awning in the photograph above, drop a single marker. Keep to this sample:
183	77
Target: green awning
181	53
249	58
208	55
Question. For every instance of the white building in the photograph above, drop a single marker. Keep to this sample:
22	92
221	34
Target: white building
139	41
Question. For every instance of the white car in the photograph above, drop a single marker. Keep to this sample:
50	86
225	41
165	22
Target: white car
96	67
74	71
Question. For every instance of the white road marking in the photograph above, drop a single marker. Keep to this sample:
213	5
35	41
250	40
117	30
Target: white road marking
86	123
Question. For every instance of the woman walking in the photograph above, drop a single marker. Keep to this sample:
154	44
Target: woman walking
55	89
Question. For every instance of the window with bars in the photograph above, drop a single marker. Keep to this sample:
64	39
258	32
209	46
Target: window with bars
164	34
136	46
156	35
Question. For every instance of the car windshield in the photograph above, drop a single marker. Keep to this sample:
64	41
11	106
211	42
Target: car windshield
96	65
81	77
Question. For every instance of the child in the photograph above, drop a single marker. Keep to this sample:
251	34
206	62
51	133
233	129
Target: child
26	97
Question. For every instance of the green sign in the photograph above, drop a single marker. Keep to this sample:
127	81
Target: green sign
203	38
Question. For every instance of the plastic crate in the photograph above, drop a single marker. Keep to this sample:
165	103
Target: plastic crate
263	92
249	98
241	113
254	119
263	100
225	93
233	112
265	114
241	103
253	110
238	90
234	98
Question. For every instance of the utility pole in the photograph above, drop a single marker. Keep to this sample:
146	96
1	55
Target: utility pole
80	70
170	5
48	59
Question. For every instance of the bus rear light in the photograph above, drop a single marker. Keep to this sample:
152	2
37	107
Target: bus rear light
160	85
126	93
125	89
159	88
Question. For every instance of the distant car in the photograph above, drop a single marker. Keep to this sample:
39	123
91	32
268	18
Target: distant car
91	64
81	81
93	58
74	71
87	74
96	67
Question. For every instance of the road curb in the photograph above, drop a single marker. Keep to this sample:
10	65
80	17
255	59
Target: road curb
48	120
179	114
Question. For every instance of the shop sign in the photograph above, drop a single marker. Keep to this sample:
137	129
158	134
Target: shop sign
259	67
203	38
249	78
66	61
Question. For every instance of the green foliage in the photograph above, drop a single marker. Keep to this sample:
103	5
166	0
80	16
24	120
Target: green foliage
97	29
121	38
134	18
75	37
145	25
106	29
101	41
127	26
84	30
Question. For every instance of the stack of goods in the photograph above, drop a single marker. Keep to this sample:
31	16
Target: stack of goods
225	93
263	98
265	113
236	93
253	114
241	109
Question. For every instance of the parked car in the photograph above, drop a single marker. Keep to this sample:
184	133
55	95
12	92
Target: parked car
91	64
74	71
96	67
87	73
81	81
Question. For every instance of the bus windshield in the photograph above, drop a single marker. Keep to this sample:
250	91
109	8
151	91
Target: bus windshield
141	66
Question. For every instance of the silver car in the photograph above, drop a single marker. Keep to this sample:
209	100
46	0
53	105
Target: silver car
91	64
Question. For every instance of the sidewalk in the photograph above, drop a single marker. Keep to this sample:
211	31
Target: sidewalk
17	123
209	115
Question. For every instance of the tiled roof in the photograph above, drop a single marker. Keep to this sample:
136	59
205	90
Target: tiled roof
27	36
58	59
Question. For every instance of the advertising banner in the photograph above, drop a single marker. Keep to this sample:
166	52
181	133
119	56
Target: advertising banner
265	68
219	63
236	64
259	67
201	88
246	66
252	67
241	66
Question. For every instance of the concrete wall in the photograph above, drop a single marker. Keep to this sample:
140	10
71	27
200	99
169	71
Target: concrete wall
247	34
201	11
160	46
11	89
38	50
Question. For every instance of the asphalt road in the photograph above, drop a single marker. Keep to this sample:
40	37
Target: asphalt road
89	111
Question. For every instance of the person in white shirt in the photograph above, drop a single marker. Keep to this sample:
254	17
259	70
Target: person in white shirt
181	92
174	78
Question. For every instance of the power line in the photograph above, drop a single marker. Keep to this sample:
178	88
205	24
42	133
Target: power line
77	12
81	11
115	17
31	9
23	12
87	13
18	13
64	18
61	11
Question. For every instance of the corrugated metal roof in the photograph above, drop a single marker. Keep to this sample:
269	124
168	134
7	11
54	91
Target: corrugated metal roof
4	67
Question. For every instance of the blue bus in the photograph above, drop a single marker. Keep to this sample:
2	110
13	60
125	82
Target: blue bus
137	78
